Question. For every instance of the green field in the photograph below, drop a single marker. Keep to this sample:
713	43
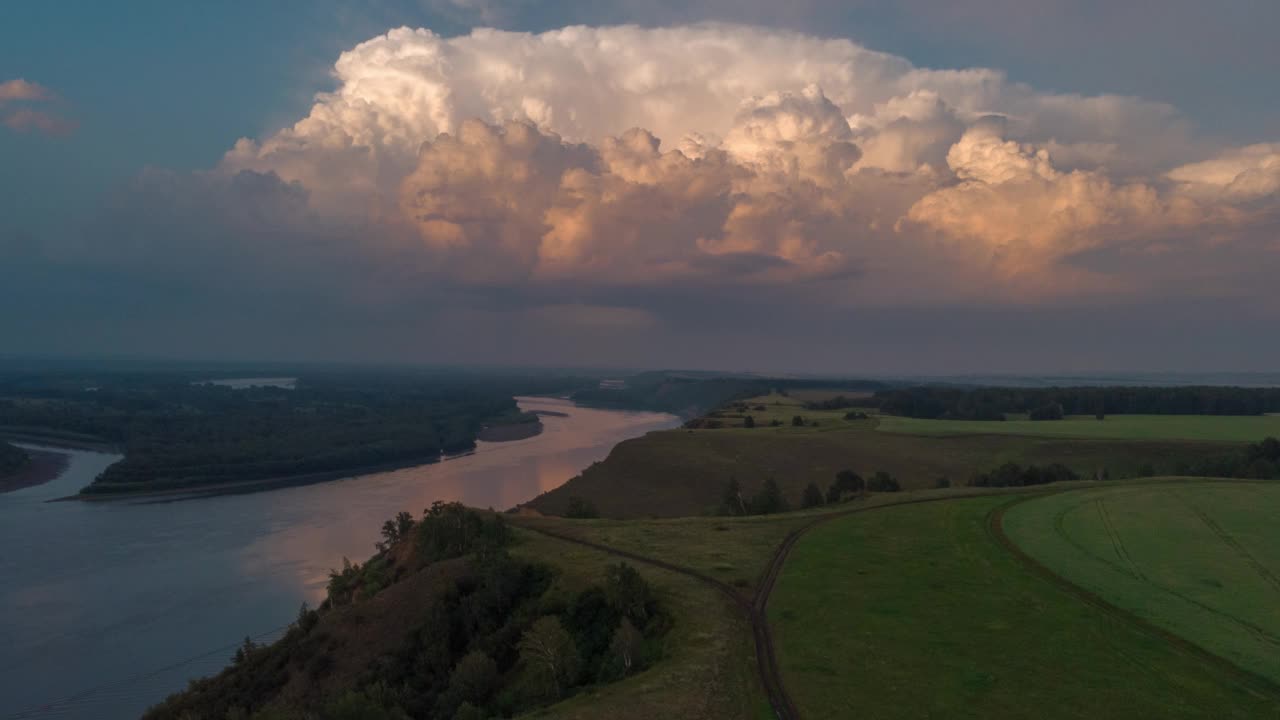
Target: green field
1199	559
917	611
1213	428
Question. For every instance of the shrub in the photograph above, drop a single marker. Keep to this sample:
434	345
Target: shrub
581	509
883	482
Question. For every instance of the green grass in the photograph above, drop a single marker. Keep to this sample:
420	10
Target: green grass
708	668
732	550
1199	559
1215	428
917	612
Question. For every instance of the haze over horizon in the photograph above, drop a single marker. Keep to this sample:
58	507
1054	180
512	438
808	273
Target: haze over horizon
863	188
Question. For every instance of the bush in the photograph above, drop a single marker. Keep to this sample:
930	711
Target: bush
883	482
847	482
1014	475
581	509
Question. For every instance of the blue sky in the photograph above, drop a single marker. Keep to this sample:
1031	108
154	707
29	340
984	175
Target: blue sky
172	86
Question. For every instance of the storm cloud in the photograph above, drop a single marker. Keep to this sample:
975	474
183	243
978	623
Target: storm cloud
587	176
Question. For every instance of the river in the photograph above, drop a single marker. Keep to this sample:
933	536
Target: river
105	608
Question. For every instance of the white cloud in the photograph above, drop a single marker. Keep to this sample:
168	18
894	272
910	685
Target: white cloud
718	154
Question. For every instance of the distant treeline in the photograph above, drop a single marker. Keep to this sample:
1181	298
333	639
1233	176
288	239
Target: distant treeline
12	458
992	403
1258	461
178	434
691	395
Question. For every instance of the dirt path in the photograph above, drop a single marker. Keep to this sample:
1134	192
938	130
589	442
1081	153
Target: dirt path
756	608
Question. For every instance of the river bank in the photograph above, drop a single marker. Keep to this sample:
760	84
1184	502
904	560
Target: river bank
43	466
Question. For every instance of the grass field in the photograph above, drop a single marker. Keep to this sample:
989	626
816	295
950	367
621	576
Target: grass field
918	612
1199	559
1214	428
708	669
733	550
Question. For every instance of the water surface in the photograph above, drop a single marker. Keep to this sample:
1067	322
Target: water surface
107	607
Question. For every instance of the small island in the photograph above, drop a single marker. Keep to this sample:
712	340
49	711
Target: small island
515	425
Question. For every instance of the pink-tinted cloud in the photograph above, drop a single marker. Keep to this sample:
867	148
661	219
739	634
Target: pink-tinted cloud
20	89
28	120
16	113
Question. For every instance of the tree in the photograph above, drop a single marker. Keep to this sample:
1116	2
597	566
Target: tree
942	482
732	504
474	678
581	509
396	529
550	654
626	646
245	651
847	481
627	592
748	422
883	482
812	496
769	500
797	421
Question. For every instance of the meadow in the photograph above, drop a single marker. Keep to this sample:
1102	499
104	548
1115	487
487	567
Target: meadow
918	611
1199	428
1199	559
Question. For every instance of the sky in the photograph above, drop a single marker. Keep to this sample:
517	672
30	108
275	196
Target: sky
857	187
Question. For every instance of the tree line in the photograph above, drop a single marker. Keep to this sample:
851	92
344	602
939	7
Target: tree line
177	433
770	500
992	403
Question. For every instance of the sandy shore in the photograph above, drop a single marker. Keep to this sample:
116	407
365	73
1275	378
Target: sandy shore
43	467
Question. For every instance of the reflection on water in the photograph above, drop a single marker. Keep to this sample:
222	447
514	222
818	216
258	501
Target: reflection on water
102	596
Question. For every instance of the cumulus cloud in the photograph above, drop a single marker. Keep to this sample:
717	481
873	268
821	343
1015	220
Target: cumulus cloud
17	115
584	165
20	89
1237	174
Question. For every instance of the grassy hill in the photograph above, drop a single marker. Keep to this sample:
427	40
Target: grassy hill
684	472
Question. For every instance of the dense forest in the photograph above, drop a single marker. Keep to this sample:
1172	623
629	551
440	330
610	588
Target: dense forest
179	432
12	459
991	403
449	625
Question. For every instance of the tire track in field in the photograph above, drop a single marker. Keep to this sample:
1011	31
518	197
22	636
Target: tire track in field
1226	537
1117	543
1257	631
995	526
